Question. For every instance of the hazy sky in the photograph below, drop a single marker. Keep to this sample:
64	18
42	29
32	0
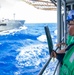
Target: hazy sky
25	11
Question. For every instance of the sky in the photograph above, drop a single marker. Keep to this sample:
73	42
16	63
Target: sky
26	12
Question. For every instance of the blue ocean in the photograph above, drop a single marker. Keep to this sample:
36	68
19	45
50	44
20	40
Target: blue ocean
24	51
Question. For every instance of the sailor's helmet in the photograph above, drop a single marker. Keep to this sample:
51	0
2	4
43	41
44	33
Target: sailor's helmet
70	15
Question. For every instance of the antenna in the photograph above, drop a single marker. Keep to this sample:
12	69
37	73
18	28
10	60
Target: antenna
14	16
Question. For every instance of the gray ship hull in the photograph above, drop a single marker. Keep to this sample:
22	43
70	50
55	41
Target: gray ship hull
10	24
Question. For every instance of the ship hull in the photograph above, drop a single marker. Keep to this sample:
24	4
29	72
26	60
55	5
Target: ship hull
11	24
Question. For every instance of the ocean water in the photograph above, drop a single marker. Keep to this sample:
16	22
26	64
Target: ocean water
24	51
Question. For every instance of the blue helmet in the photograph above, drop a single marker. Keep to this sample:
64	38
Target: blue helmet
70	15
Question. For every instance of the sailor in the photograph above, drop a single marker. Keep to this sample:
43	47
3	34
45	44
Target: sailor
66	56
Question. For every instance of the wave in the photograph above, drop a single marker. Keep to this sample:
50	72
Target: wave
42	38
31	56
13	31
32	52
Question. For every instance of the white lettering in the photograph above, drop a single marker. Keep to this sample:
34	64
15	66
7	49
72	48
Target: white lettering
72	58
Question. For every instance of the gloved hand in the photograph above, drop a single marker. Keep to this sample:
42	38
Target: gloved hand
59	56
53	54
58	45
